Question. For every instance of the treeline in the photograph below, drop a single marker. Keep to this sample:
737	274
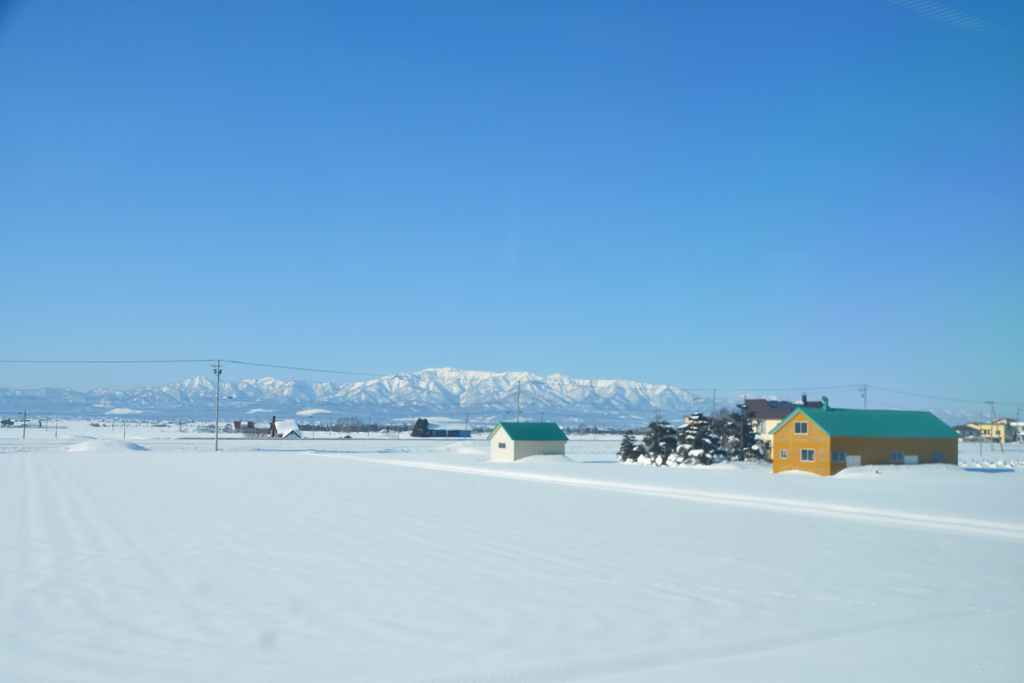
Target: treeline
353	425
701	441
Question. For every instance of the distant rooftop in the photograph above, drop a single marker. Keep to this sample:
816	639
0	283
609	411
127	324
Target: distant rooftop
765	409
531	431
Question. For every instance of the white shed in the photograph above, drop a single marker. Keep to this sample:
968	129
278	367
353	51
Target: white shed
517	440
288	429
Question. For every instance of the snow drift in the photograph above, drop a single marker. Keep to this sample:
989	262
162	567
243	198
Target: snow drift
104	445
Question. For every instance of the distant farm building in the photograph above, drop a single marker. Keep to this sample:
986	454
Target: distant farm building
288	429
967	431
766	414
1002	431
444	430
517	440
244	425
448	432
826	440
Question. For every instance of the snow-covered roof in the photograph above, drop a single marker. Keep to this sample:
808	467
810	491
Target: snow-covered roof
284	427
449	426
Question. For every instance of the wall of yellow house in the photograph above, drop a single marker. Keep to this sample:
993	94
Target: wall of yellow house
993	432
876	450
786	439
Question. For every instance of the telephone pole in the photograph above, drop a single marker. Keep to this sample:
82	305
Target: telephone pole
992	406
216	413
518	388
24	421
981	439
864	394
743	421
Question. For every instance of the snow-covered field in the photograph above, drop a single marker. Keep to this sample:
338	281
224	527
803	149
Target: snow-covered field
151	558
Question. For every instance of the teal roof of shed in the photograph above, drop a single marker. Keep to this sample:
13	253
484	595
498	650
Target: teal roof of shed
531	431
907	424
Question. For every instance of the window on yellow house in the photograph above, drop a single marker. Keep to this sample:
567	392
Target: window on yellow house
807	454
799	427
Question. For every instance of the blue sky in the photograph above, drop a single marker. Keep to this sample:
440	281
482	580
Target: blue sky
743	195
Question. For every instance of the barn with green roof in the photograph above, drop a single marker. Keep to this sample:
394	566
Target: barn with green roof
512	441
826	440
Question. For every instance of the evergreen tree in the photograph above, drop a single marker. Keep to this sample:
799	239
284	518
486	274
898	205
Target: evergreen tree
419	428
738	438
660	442
627	449
697	444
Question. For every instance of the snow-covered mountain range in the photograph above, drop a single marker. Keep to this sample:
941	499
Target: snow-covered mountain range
438	393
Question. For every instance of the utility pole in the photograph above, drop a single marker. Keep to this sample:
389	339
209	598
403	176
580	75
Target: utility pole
714	399
24	421
992	406
518	388
216	414
864	394
743	421
981	440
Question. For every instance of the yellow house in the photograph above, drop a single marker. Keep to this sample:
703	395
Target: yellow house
517	440
1000	430
826	440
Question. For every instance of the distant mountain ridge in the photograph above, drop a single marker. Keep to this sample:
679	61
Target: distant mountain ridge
438	393
484	397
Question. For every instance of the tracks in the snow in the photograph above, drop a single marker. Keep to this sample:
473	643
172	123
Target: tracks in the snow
960	525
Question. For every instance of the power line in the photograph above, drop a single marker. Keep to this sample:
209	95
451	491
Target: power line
943	398
751	391
289	367
109	362
194	360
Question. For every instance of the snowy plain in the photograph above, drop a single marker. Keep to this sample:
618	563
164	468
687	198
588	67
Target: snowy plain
148	557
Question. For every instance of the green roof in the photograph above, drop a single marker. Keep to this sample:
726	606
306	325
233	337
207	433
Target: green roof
531	431
911	424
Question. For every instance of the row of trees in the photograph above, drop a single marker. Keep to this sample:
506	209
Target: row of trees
702	441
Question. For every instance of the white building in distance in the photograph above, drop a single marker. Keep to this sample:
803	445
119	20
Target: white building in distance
512	441
288	429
